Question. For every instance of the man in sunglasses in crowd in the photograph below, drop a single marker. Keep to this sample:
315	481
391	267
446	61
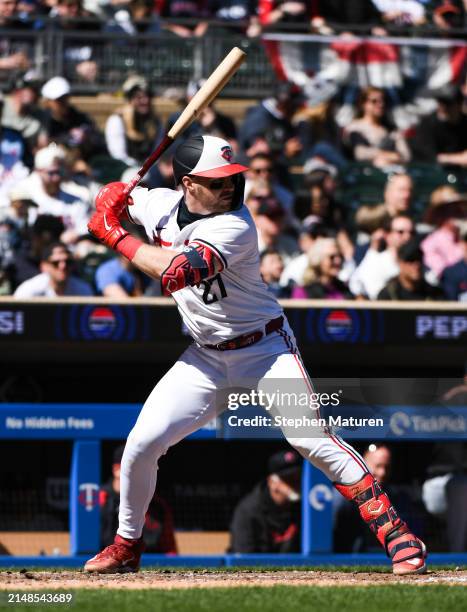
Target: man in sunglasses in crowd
204	249
56	277
380	262
48	187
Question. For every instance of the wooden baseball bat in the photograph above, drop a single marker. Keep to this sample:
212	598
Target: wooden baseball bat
214	84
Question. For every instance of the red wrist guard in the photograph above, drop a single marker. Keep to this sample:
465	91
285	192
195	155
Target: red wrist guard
128	246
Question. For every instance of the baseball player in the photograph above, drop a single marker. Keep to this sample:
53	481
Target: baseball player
204	249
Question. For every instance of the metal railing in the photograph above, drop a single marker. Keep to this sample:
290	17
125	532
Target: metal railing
167	60
164	59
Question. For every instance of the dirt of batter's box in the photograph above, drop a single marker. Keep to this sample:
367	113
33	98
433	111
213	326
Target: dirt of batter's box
155	579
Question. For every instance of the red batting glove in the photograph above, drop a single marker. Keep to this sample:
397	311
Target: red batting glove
112	197
105	226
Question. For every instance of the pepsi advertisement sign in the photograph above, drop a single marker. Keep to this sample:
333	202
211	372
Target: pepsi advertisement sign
93	322
338	325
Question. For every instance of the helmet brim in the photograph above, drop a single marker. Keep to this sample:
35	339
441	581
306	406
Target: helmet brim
221	171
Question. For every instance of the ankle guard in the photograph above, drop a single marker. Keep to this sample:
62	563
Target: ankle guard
375	509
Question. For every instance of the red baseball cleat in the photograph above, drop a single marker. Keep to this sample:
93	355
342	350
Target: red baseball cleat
407	552
121	556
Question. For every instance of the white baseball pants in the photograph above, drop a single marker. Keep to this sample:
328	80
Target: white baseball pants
189	396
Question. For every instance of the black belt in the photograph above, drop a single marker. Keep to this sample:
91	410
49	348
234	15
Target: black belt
247	339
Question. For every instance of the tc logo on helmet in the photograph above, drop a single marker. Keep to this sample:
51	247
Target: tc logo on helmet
227	153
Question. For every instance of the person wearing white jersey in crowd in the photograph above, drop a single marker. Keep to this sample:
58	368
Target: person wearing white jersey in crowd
204	249
56	278
46	186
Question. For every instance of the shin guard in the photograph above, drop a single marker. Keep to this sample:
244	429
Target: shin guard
405	550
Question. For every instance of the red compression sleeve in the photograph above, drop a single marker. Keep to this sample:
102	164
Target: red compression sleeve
128	246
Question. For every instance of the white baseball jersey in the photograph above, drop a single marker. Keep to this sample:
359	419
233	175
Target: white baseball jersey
233	301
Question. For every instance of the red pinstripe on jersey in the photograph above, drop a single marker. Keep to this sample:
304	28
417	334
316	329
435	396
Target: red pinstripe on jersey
338	441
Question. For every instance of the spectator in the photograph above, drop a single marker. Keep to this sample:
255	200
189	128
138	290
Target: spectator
158	531
45	230
12	168
311	229
261	167
319	131
321	278
63	122
371	137
441	138
55	278
159	175
191	9
117	278
78	54
89	254
209	121
321	181
379	264
271	268
398	194
47	188
232	11
454	278
272	120
132	132
18	213
269	219
135	17
13	52
410	284
443	247
267	520
21	112
342	12
444	492
275	12
401	12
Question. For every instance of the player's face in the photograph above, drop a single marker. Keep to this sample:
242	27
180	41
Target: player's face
208	195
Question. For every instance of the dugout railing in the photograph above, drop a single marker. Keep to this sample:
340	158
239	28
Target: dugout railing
87	425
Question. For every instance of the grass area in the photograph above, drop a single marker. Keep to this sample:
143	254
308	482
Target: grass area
381	598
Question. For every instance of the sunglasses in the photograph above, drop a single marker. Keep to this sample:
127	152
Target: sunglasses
404	231
53	172
267	170
56	262
217	183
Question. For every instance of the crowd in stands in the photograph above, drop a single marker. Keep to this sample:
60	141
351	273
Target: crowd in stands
251	15
312	242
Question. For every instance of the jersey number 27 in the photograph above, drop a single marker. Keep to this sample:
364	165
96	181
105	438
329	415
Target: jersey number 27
209	294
